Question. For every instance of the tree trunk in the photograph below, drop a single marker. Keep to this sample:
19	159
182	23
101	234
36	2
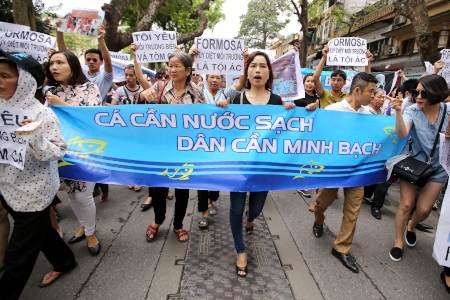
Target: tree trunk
302	17
417	12
24	14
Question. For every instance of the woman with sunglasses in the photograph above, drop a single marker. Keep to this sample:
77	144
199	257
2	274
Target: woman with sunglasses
422	121
259	79
161	75
71	87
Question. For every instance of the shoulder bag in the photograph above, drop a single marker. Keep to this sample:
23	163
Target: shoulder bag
415	171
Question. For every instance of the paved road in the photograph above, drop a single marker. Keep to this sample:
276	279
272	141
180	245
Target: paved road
285	260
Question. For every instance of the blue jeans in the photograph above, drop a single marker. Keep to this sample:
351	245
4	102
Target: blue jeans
256	204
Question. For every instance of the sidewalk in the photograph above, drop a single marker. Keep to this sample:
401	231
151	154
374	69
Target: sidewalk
285	260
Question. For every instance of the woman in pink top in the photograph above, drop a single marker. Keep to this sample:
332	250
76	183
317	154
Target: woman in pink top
71	87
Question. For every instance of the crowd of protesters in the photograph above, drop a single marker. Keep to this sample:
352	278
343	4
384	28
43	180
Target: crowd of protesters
417	106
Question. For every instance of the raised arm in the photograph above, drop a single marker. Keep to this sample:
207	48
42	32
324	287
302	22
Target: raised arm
369	57
401	126
107	63
60	42
316	77
138	71
402	75
241	83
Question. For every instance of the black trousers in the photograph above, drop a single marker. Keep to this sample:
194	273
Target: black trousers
32	232
103	187
203	196
369	190
380	194
159	205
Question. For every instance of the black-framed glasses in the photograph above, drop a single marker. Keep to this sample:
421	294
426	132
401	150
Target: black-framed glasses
423	94
160	76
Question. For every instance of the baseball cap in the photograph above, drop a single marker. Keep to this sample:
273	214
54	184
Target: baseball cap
27	63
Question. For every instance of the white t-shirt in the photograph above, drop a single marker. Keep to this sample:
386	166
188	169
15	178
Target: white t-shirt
345	106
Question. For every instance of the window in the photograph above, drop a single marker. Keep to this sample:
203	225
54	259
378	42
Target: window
408	46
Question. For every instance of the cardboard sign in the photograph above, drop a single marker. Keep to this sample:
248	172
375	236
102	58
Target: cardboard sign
5	26
32	43
83	21
347	51
154	46
219	56
12	148
445	72
121	56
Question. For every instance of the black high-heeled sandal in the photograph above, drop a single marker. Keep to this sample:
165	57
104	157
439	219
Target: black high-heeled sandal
249	230
241	269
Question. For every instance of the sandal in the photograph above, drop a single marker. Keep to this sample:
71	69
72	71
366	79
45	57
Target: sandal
151	231
212	210
137	188
181	233
54	276
130	187
104	197
203	222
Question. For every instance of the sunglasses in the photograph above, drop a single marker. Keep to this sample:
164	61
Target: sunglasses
159	76
423	94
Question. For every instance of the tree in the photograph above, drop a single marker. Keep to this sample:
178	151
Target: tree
23	12
173	15
416	11
195	11
43	15
302	16
262	22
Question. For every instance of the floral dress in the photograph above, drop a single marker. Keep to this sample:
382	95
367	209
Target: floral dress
86	94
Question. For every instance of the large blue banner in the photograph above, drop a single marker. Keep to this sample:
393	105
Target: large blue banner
241	148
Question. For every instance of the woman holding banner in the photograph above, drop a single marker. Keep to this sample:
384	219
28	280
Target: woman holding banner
259	78
422	120
178	90
71	87
311	98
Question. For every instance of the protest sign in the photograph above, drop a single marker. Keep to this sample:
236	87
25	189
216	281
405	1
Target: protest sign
12	148
32	43
271	53
288	81
347	51
154	46
445	72
236	149
121	56
219	56
441	248
83	21
5	26
119	69
386	81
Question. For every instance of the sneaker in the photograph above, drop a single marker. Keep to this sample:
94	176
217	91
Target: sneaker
396	254
305	193
410	238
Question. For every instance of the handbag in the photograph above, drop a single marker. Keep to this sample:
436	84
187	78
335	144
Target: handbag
415	171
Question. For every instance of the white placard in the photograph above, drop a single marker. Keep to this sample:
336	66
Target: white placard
347	51
121	56
154	46
445	72
12	148
5	26
219	56
32	43
271	53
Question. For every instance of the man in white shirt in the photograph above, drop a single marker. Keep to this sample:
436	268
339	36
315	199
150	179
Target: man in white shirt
361	93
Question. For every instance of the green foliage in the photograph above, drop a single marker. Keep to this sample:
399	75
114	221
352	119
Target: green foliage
262	22
174	15
78	43
43	15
